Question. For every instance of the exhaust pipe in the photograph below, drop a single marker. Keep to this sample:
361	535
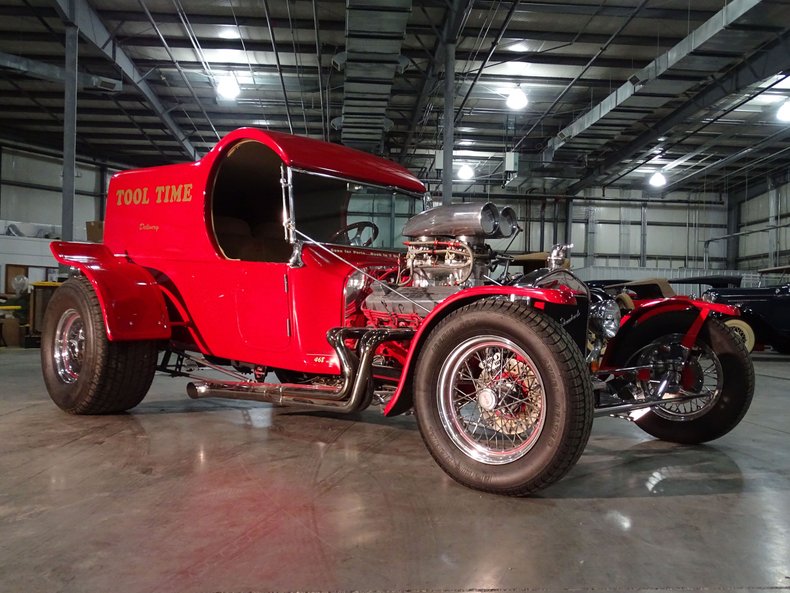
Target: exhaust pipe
351	396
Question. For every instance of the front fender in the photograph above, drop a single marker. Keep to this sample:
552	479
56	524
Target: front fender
650	309
402	400
132	304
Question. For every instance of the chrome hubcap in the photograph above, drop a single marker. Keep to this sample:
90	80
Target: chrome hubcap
69	346
492	403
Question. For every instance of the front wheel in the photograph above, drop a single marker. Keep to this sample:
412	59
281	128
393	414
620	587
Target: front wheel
84	372
717	368
503	398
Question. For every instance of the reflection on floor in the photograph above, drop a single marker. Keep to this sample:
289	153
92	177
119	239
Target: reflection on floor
198	496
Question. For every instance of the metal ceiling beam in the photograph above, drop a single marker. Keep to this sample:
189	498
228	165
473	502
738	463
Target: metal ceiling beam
769	60
50	72
713	26
80	14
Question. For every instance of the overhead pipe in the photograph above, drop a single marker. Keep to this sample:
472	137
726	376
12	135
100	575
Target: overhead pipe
584	70
277	61
494	45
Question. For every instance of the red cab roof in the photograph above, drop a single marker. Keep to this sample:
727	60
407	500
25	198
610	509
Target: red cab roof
328	159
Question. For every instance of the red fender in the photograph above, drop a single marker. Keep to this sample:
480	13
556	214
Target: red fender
401	402
132	305
648	309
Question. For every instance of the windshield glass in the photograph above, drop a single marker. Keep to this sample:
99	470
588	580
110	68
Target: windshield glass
349	213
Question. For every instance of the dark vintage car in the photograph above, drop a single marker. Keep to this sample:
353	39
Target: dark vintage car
765	312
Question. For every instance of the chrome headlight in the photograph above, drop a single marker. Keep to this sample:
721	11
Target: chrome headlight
605	318
709	297
354	291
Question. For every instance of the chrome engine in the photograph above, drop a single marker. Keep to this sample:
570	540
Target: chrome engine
447	247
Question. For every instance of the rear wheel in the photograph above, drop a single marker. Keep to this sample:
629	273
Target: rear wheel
503	398
84	372
718	368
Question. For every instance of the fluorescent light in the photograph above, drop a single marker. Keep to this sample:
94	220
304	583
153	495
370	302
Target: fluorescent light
466	172
657	179
228	88
783	114
517	99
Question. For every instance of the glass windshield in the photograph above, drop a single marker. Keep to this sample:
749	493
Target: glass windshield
349	213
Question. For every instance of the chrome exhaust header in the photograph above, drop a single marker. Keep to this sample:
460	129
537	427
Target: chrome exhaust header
352	395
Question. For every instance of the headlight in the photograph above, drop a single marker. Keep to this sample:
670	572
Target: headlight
605	318
709	297
354	291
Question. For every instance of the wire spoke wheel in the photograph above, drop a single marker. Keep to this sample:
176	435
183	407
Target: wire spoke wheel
717	370
503	398
696	372
492	402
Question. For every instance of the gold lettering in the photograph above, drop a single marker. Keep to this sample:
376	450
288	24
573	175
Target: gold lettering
145	195
127	197
175	193
159	189
187	193
119	195
137	196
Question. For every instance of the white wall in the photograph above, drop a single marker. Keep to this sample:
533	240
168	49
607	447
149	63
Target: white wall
30	192
767	248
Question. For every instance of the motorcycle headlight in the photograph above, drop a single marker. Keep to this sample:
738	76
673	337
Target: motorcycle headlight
605	318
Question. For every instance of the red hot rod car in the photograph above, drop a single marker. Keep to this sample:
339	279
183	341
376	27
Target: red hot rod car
247	263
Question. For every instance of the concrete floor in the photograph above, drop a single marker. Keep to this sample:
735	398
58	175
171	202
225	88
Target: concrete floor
218	496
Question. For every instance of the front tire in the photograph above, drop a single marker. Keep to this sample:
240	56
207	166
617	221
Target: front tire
719	368
503	398
84	372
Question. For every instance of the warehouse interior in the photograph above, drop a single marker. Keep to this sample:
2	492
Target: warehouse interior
653	135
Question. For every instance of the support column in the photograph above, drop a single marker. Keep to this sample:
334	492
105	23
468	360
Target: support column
569	221
643	238
449	117
733	226
69	133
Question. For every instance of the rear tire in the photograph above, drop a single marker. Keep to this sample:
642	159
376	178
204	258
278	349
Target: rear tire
503	398
84	372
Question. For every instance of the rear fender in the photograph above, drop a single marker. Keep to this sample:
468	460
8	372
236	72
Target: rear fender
647	310
402	401
132	305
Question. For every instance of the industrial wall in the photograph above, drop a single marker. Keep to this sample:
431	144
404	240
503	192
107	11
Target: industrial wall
30	208
765	248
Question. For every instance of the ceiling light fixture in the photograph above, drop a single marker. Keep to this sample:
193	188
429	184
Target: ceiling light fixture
783	113
657	179
228	88
466	172
517	99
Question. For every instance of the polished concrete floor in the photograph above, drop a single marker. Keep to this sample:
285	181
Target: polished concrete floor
219	496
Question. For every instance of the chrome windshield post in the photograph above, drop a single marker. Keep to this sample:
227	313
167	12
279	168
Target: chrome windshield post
289	223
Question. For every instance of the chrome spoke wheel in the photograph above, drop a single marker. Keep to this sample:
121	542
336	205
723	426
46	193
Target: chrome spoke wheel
701	375
492	401
69	346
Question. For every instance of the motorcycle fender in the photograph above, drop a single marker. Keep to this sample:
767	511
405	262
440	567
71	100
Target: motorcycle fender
402	400
632	322
132	304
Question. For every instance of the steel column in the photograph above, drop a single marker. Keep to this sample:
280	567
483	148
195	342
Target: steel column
69	133
449	112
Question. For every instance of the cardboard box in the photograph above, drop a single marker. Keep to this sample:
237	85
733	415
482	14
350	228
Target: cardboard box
95	230
12	332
